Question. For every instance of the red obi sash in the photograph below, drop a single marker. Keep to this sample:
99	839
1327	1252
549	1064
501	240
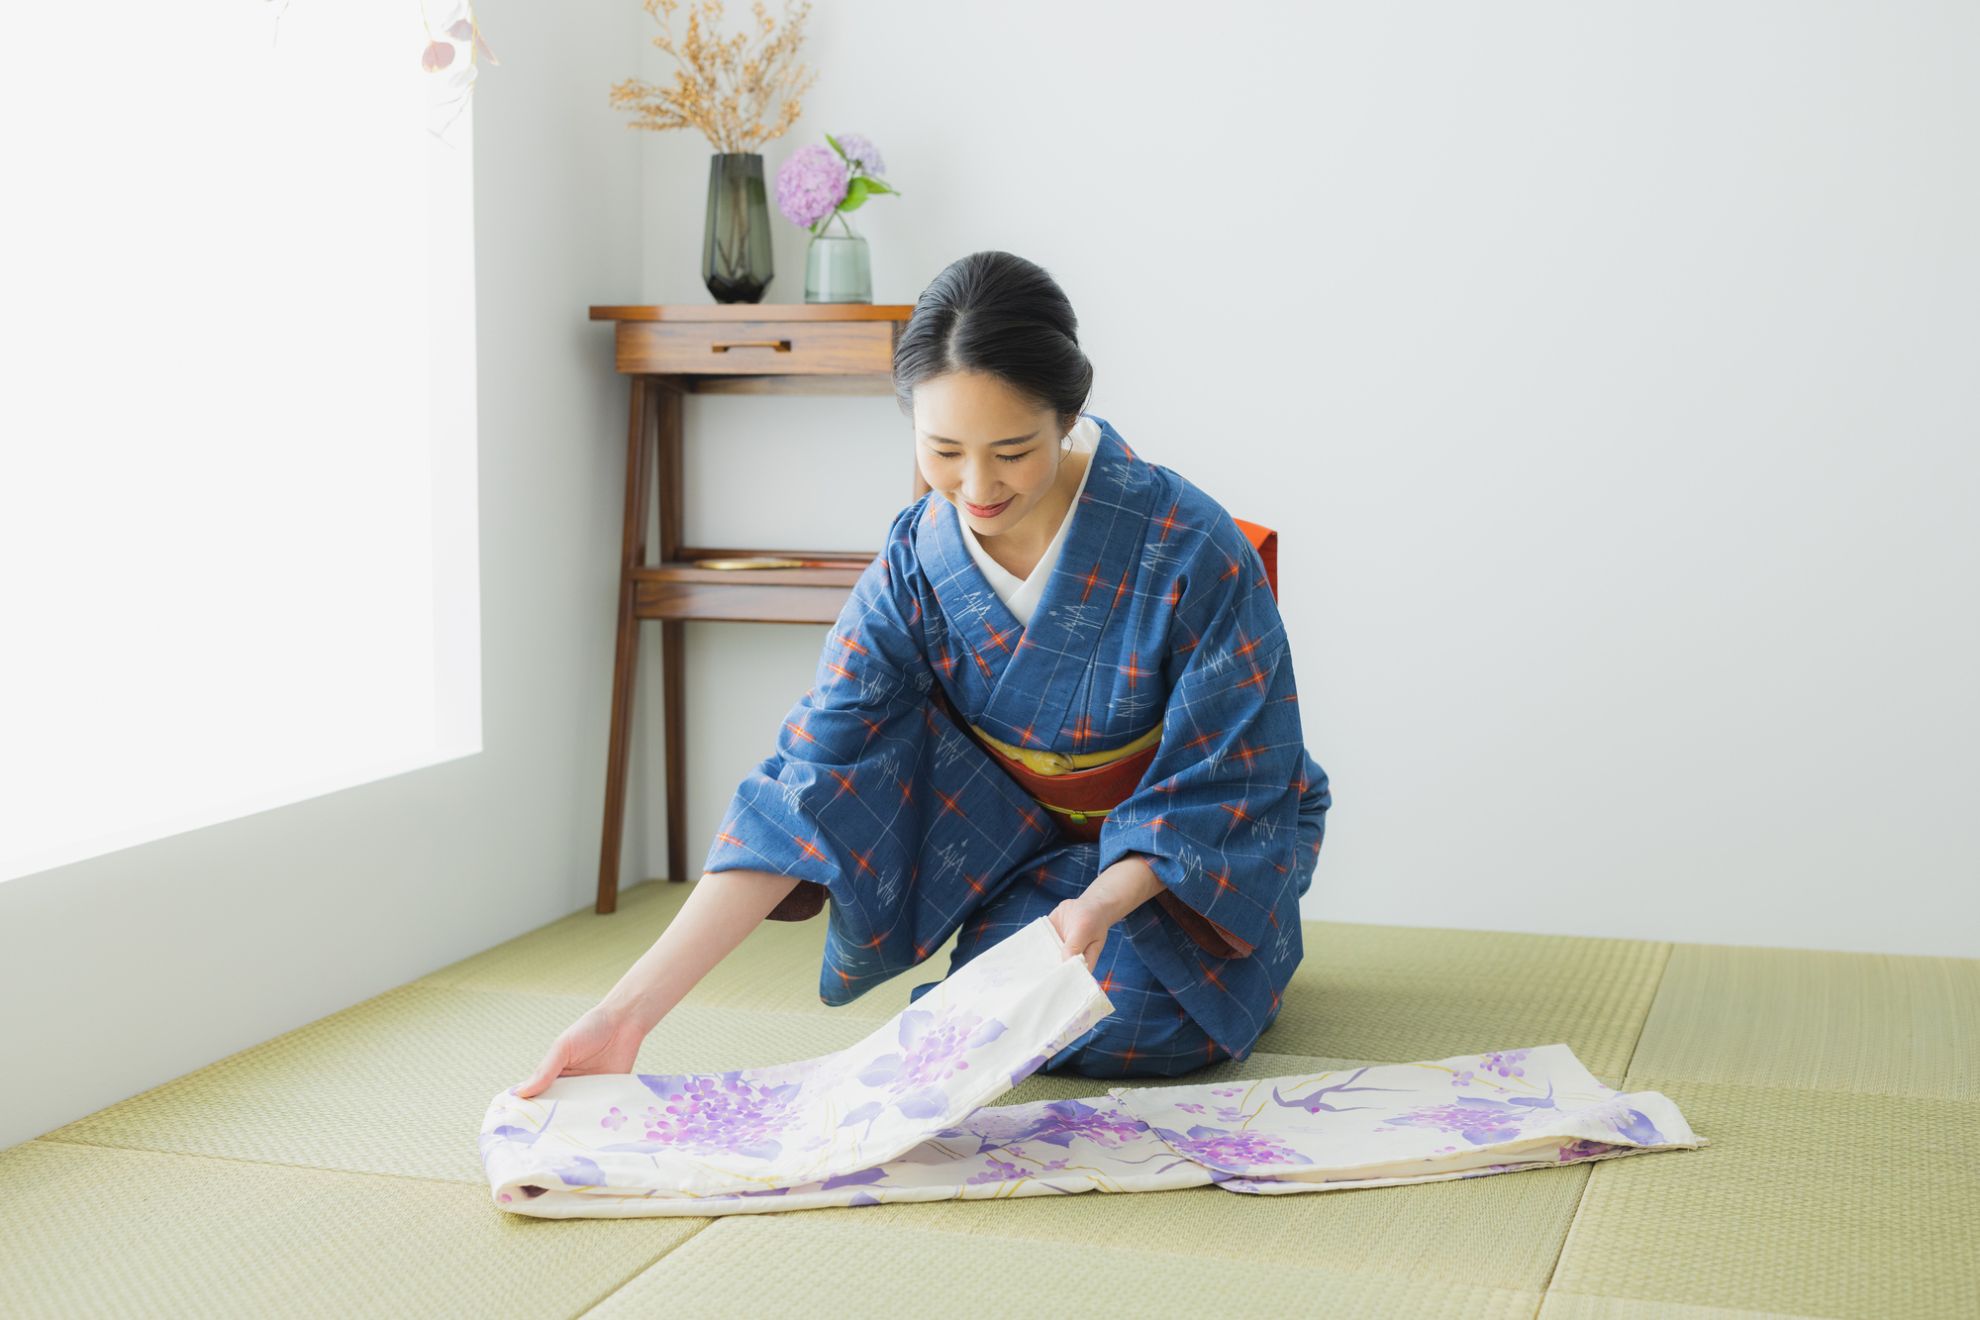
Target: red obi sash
1080	800
1077	799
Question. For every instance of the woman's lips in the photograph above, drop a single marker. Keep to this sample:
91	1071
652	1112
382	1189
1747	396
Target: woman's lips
990	512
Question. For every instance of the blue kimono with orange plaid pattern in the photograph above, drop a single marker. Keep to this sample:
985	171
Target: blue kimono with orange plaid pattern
1158	611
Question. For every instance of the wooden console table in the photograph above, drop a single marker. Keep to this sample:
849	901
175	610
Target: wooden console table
716	348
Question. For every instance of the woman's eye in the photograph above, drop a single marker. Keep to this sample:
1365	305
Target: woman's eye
1002	458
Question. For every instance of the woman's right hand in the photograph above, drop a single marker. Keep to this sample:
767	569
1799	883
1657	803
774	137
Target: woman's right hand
604	1040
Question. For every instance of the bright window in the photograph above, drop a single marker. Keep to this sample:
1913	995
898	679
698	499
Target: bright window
237	460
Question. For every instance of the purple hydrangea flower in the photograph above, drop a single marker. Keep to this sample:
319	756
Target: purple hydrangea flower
811	184
932	1049
1056	1123
998	1171
860	151
1219	1149
709	1114
1004	1171
1478	1121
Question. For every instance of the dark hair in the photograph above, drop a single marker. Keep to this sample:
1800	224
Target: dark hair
996	313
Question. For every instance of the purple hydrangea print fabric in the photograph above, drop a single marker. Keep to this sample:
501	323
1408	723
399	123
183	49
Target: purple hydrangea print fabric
1382	1124
903	1116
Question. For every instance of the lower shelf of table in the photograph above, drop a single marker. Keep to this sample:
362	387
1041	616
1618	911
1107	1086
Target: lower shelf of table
789	595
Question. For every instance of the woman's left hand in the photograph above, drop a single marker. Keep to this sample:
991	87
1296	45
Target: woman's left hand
1083	925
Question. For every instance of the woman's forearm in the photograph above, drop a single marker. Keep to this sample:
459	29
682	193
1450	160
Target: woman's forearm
1124	886
724	907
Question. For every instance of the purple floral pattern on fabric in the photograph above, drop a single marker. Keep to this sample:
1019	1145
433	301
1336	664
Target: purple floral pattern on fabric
1056	1122
721	1112
932	1050
996	1170
901	1117
1477	1120
1501	1063
1633	1124
1316	1101
1225	1150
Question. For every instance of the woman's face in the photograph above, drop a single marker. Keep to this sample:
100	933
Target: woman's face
984	449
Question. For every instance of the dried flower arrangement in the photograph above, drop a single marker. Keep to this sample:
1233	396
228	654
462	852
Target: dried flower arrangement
732	117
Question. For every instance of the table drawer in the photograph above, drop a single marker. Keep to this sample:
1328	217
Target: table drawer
756	348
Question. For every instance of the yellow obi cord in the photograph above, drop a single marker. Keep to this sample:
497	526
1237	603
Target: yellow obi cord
1043	762
1077	817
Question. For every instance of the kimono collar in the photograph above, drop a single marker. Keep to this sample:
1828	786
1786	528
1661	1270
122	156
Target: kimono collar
987	654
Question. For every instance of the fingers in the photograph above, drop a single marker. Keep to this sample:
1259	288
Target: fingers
546	1072
1087	949
1057	916
1074	942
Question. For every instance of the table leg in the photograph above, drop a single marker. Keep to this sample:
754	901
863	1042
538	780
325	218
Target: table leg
625	665
673	689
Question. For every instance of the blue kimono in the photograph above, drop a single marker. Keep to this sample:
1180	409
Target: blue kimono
1158	611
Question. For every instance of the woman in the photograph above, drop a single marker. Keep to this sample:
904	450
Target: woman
1063	688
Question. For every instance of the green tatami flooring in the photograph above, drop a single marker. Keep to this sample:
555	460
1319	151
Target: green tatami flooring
333	1170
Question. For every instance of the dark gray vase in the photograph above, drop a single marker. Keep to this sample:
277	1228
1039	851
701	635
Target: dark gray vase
735	243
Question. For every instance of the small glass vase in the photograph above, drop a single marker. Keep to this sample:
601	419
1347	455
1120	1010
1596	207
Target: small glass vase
837	268
735	243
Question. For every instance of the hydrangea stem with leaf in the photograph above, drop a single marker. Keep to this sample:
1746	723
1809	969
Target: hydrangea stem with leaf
818	183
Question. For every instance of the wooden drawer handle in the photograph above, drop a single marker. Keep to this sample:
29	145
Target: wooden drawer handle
781	345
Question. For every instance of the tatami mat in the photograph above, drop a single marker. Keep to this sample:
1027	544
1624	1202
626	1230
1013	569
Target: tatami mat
399	1083
1823	1203
334	1170
88	1232
1795	1018
1400	993
845	1267
1569	1306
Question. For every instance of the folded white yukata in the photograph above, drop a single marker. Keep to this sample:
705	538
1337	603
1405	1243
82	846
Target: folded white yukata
900	1116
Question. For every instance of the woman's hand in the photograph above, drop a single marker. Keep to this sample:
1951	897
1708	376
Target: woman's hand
1082	924
604	1040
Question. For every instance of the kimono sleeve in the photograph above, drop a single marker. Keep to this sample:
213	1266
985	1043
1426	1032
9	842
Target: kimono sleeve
873	797
1217	815
797	812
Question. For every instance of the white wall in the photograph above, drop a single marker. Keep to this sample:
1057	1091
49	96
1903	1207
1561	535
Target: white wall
1609	376
121	972
1609	372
